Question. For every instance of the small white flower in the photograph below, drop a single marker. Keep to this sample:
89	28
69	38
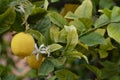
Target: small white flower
20	8
41	50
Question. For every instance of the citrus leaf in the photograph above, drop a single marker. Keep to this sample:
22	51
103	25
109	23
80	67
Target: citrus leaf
58	36
101	21
103	53
54	47
101	31
113	30
95	70
54	33
87	22
52	78
58	61
106	3
84	10
107	46
115	16
17	25
38	36
46	3
54	1
115	12
62	36
43	25
45	68
65	74
107	12
75	54
111	68
10	77
83	45
26	8
72	37
92	39
70	15
37	11
57	19
7	19
69	7
79	25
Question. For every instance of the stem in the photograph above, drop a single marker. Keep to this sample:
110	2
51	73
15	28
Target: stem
93	29
27	26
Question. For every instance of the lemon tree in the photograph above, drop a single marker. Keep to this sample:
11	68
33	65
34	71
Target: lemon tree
77	41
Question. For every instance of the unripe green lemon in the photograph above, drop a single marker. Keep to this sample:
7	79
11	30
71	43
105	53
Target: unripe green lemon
22	44
33	63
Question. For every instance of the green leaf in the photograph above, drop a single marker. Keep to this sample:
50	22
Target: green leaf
116	77
46	3
92	39
3	7
52	78
101	31
101	21
83	45
75	54
110	69
58	61
17	25
38	36
57	19
32	73
103	53
43	25
87	22
10	77
54	47
45	68
62	36
58	36
107	46
106	3
65	74
115	12
115	16
107	12
70	15
54	33
95	70
37	11
26	6
54	1
84	10
7	19
79	25
72	37
113	30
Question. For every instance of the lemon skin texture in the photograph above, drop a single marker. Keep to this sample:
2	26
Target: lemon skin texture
22	44
33	63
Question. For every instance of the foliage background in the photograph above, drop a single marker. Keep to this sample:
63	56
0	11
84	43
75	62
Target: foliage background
83	36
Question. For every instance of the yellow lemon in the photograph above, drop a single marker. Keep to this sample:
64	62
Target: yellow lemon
22	44
32	62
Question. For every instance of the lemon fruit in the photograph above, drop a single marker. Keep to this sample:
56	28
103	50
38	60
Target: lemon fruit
32	62
22	44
